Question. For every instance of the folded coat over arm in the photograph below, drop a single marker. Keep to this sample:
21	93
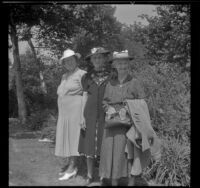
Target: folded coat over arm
142	129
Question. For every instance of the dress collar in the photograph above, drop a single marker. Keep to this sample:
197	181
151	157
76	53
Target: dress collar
115	82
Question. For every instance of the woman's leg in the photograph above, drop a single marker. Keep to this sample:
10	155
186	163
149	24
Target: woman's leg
73	164
131	181
130	163
71	169
114	182
90	166
65	165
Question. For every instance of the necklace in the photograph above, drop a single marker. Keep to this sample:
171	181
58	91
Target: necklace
121	82
99	77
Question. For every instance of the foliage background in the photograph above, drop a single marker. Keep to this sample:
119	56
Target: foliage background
162	64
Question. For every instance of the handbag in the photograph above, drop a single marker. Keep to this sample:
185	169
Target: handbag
115	121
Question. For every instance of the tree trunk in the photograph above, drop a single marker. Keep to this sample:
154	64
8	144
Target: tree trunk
11	78
11	69
43	85
22	113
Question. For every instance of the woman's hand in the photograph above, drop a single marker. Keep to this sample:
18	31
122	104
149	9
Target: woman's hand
64	76
105	107
122	114
135	142
110	110
83	124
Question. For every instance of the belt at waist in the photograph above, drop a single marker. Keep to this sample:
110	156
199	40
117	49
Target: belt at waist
71	95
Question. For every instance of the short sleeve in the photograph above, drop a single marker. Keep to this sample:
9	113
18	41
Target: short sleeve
64	76
137	89
82	72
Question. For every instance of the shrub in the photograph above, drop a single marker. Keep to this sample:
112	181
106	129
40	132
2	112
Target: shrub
49	127
36	119
34	95
14	122
167	94
173	169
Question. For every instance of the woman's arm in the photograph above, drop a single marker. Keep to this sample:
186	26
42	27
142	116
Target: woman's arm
83	101
60	89
64	76
106	98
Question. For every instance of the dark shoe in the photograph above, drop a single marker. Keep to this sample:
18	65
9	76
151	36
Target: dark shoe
103	182
131	182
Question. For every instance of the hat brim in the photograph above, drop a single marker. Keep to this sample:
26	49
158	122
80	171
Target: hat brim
104	52
129	58
76	54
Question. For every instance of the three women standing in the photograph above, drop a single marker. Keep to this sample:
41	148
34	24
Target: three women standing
69	112
80	127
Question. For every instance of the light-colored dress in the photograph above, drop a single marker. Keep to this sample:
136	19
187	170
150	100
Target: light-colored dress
69	113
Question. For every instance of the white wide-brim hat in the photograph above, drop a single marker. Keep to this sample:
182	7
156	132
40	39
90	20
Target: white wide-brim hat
68	53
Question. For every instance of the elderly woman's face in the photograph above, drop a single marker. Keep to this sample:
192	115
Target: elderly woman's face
98	60
70	63
122	65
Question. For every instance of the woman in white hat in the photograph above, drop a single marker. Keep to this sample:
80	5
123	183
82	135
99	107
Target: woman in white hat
113	160
69	112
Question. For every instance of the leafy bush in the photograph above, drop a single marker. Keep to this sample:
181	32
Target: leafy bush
173	169
168	98
167	80
14	122
49	127
36	119
35	98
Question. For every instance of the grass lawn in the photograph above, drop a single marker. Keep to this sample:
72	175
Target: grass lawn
33	163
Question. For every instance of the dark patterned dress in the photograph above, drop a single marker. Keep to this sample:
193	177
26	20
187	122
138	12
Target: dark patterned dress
90	140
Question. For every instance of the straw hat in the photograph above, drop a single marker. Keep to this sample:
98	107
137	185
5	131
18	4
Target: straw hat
68	53
98	50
